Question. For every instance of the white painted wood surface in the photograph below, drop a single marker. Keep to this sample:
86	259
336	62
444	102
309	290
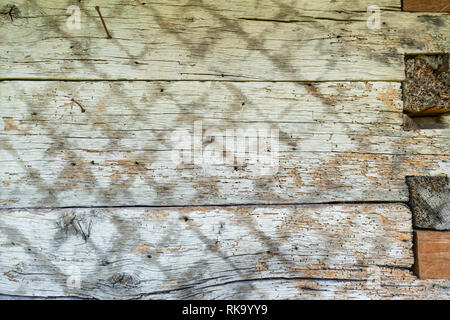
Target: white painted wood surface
337	142
210	40
318	251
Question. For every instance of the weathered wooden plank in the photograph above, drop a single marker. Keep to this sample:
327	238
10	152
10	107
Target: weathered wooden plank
314	251
329	142
429	199
401	286
432	256
426	5
208	40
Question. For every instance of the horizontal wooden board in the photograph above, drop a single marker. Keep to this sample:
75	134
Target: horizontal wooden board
432	256
314	251
211	40
70	144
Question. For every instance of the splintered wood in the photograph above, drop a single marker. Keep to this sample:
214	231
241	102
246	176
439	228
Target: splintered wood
211	149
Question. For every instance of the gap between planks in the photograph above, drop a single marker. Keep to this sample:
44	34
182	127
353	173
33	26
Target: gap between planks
195	80
209	205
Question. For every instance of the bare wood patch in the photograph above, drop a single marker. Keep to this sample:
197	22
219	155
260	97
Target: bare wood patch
426	5
432	256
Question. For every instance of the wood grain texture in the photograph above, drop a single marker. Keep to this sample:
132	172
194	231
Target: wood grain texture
68	149
337	142
211	40
429	200
318	251
432	254
426	5
426	90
